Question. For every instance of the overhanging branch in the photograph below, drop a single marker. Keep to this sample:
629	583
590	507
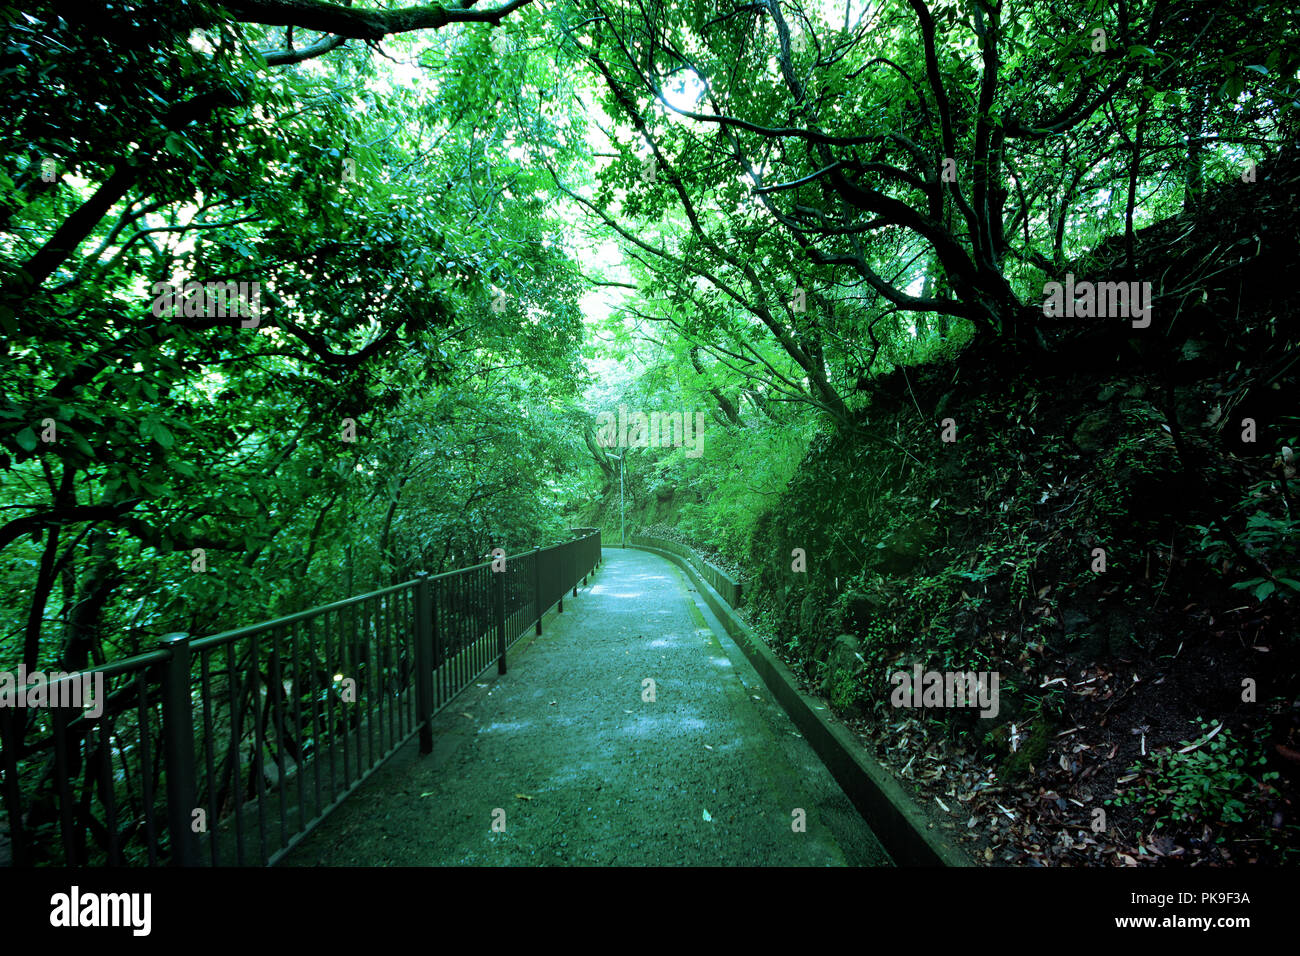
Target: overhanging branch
361	24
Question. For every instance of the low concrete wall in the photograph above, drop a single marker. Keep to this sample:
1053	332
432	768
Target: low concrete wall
731	590
889	810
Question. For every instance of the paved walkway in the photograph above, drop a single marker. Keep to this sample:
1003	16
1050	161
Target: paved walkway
583	771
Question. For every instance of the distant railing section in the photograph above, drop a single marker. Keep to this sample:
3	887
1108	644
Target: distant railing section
229	749
730	588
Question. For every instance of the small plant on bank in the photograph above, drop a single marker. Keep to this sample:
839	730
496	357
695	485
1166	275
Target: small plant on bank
1210	784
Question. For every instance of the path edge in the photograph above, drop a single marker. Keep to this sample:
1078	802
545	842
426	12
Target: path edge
899	824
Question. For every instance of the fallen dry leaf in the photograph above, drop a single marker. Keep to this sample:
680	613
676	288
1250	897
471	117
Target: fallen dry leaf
1200	743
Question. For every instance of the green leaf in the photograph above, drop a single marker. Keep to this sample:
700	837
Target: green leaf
162	436
83	446
27	439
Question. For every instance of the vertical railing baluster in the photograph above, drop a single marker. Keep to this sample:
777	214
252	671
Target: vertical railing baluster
463	627
500	590
145	743
325	706
372	695
310	641
376	652
406	625
236	763
361	639
390	669
178	748
105	758
408	615
343	711
62	783
381	654
295	682
486	636
423	660
360	663
404	650
275	697
471	630
440	685
205	684
259	744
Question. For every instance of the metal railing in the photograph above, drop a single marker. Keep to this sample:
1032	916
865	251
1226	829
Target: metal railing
229	749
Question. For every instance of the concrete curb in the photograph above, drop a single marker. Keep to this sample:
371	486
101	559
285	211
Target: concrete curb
898	823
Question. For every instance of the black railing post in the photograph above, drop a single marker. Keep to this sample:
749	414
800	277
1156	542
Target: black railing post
537	586
178	746
424	659
500	590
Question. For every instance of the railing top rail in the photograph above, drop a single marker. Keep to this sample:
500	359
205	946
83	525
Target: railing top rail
126	665
518	554
225	637
149	658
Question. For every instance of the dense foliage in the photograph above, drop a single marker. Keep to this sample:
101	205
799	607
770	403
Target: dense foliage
824	231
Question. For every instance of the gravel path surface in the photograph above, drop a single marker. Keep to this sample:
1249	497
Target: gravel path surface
566	754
